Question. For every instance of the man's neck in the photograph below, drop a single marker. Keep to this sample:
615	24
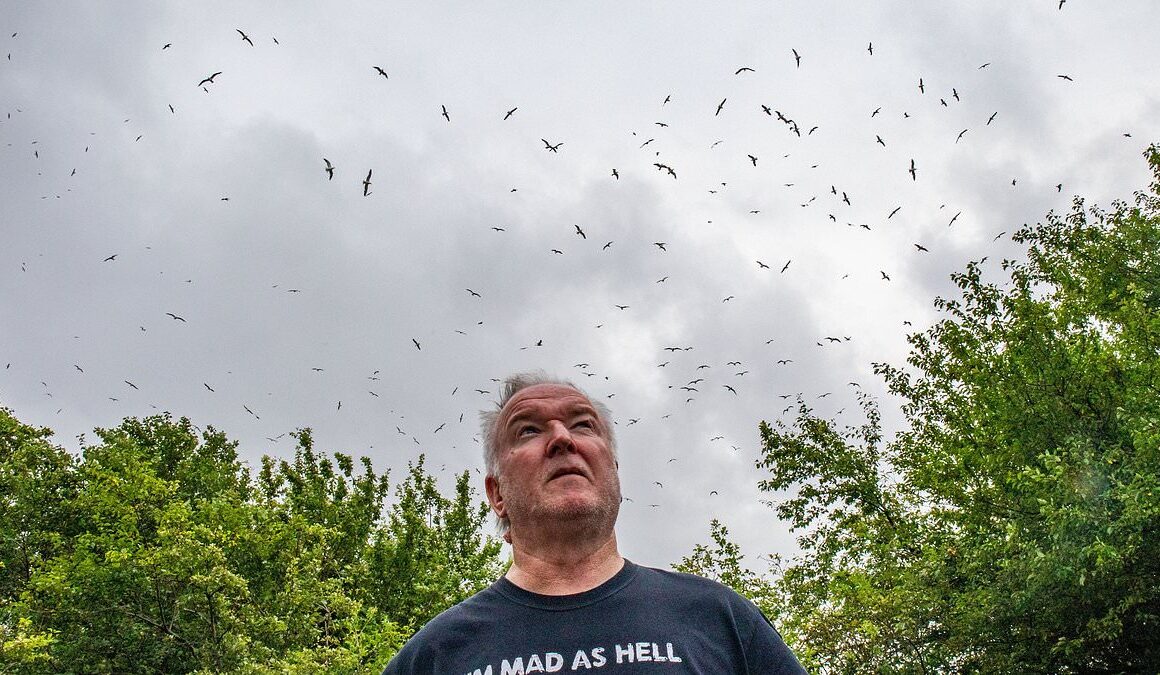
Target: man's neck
564	569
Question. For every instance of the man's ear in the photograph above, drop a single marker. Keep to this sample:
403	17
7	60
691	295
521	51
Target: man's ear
494	496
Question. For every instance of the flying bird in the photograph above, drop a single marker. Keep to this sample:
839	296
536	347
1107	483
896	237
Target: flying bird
785	266
175	317
510	113
329	169
474	294
112	257
209	79
580	232
446	116
913	171
661	246
797	59
752	159
743	69
416	342
367	183
665	167
382	72
762	265
552	148
720	106
245	37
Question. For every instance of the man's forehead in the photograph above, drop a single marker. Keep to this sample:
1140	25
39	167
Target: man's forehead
539	393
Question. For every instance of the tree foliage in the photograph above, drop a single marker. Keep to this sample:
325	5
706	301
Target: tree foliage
157	551
1014	524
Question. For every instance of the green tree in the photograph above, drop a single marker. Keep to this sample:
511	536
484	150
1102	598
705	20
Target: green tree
1014	524
156	551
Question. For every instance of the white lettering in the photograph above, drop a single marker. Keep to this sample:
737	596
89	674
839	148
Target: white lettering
581	659
514	668
477	671
642	653
672	657
534	664
598	659
553	662
656	652
622	652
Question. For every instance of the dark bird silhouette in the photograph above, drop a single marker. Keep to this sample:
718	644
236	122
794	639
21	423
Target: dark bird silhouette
885	276
797	59
329	169
616	174
207	386
552	148
879	140
876	111
382	72
367	183
473	293
720	106
175	317
167	45
1065	77
209	79
922	248
130	384
752	159
785	266
660	245
743	69
510	113
438	428
606	246
992	117
580	232
960	136
896	209
762	265
955	94
245	37
870	48
446	116
112	257
665	167
913	171
921	88
954	218
557	251
416	343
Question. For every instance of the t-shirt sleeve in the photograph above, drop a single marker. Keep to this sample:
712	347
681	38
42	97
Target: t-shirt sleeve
766	653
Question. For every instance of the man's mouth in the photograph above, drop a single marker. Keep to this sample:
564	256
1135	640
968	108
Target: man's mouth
566	472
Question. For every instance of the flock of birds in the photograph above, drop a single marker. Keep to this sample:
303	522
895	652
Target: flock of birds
688	373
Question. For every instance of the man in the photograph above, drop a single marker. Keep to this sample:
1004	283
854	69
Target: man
570	602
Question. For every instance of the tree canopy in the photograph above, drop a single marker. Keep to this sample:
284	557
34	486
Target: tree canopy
1013	525
157	551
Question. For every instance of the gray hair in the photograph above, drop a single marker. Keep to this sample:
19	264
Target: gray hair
489	421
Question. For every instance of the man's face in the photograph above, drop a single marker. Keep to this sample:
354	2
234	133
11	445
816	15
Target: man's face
555	464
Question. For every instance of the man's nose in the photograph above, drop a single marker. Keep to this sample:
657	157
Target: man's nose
559	438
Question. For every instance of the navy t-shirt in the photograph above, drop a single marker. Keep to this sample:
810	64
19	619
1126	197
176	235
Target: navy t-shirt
642	620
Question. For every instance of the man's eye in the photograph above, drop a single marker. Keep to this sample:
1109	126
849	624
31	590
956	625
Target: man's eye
524	431
584	423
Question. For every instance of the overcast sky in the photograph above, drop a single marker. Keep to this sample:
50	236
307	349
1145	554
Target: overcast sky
129	192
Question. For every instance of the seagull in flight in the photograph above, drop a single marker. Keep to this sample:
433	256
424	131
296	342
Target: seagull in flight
720	106
329	169
209	79
381	72
446	116
797	59
510	113
175	317
245	37
367	183
550	147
